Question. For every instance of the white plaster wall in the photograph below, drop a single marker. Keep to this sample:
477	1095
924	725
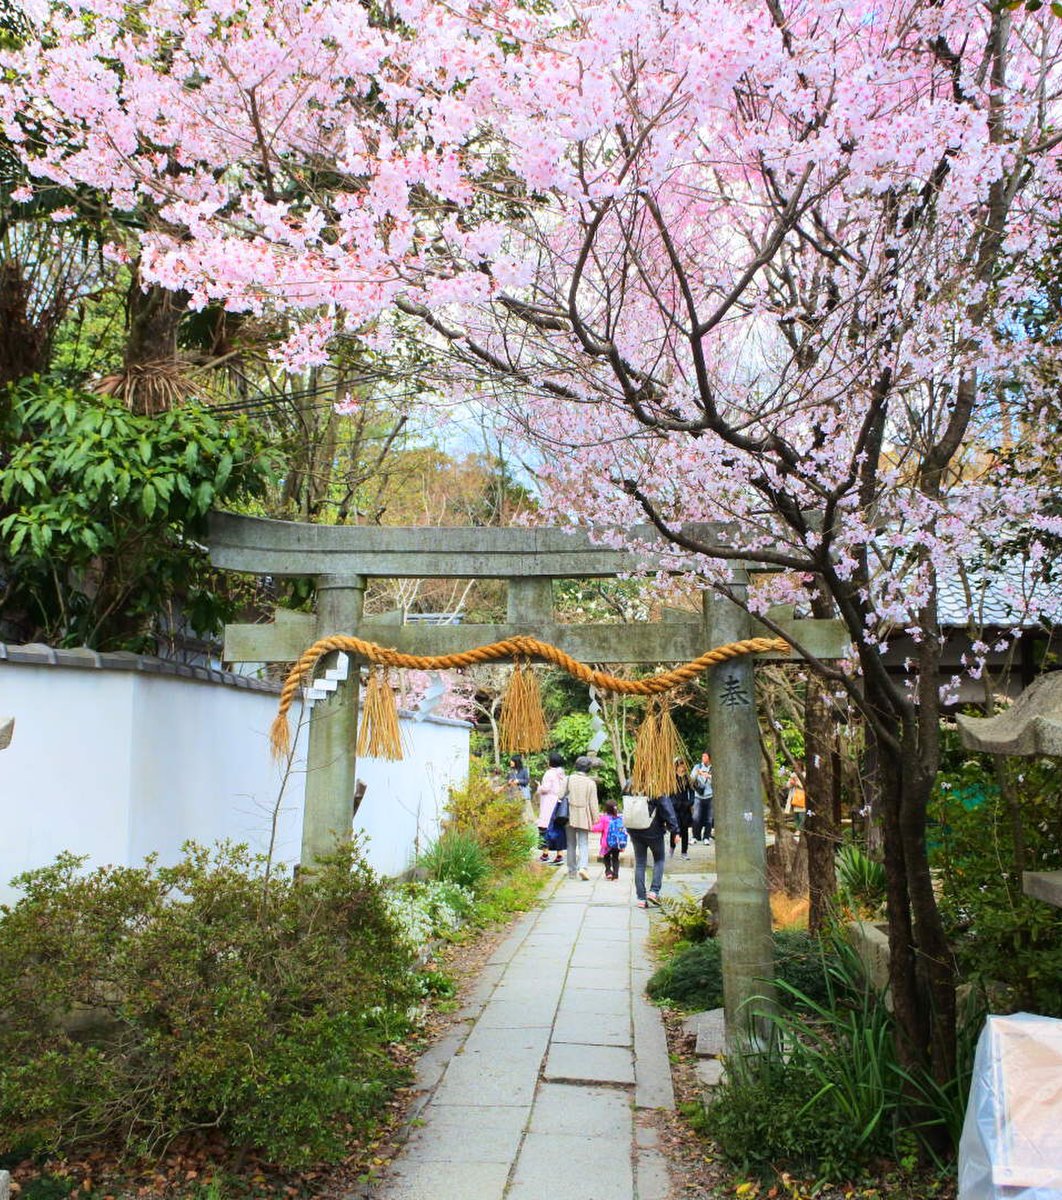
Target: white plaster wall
117	765
403	806
201	769
65	778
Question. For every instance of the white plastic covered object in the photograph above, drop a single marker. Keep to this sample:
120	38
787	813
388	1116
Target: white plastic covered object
1011	1146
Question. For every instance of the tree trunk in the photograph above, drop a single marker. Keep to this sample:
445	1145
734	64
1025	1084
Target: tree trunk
24	344
921	966
153	316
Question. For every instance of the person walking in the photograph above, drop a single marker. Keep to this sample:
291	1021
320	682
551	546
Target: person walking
703	798
520	785
553	785
613	839
582	816
651	839
796	800
682	800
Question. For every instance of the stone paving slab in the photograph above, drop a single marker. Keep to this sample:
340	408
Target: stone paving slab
535	1095
418	1179
599	978
654	1088
486	1079
445	1137
592	1029
591	1111
534	1013
583	1063
499	1043
653	1179
605	1002
561	1167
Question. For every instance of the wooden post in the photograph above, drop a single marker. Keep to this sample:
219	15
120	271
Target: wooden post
740	835
331	759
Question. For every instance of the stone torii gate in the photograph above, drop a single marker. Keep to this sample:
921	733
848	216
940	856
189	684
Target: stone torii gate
341	559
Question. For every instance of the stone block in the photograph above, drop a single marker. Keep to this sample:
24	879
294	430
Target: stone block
711	1034
653	1177
710	1072
871	944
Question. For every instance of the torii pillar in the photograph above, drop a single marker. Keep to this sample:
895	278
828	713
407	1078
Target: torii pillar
330	778
741	836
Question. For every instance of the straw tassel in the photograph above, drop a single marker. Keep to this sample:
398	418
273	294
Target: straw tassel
280	736
655	751
521	723
379	735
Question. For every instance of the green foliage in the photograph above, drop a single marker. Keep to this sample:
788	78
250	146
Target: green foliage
99	509
999	933
860	881
495	819
570	735
140	1003
684	915
457	857
515	892
694	976
828	1095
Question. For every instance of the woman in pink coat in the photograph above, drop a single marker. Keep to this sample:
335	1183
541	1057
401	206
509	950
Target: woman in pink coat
553	785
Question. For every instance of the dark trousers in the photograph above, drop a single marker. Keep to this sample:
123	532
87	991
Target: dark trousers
684	836
612	862
645	841
703	822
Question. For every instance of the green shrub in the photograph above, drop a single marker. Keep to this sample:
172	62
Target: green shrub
203	998
860	881
457	857
694	977
495	820
999	933
685	915
828	1094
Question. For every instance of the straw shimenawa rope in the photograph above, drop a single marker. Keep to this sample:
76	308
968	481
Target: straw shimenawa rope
523	648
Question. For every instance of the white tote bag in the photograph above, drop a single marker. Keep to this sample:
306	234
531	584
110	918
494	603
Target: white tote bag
636	814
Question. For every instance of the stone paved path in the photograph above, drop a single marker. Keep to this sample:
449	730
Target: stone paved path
540	1090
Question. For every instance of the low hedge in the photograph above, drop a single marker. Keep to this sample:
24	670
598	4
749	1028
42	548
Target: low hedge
207	999
694	977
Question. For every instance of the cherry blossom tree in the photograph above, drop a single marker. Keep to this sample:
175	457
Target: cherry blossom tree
739	261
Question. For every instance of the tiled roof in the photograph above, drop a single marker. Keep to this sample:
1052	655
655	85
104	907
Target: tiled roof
37	654
1003	599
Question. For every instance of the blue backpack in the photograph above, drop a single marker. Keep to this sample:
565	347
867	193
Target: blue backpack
616	836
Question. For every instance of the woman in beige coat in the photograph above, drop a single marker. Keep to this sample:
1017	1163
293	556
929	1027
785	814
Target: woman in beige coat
582	816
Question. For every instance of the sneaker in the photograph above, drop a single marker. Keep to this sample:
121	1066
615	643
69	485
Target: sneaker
556	862
640	904
543	858
685	856
653	898
706	841
584	873
609	875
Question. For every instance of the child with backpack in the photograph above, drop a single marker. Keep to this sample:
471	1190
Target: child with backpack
613	839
